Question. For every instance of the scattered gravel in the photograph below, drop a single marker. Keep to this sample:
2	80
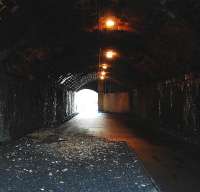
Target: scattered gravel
46	161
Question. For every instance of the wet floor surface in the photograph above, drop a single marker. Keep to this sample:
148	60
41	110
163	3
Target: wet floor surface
74	157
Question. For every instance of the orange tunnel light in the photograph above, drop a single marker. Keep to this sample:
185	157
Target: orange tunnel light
102	77
113	23
104	66
110	54
103	73
110	23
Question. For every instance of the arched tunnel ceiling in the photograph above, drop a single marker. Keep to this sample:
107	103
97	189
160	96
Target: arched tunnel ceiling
76	81
79	80
55	38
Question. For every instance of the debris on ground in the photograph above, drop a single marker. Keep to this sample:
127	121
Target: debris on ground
71	163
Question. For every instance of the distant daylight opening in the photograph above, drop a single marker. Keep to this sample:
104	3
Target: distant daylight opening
87	102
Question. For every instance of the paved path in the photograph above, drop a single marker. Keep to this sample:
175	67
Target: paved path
174	166
73	158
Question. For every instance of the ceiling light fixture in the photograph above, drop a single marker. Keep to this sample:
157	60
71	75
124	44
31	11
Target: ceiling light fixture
110	54
110	23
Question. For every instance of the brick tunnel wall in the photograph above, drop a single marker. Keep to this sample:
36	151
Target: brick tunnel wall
29	105
173	105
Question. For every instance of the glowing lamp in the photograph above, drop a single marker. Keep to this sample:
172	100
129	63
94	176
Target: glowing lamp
110	23
110	54
105	66
103	73
102	77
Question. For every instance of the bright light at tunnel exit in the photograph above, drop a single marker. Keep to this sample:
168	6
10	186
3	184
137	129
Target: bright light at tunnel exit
86	101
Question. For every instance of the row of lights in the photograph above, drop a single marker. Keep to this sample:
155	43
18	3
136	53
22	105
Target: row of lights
108	54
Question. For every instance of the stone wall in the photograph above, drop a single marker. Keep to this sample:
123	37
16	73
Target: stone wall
27	105
174	105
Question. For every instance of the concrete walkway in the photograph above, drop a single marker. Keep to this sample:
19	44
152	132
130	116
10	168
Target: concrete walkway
73	158
91	154
174	166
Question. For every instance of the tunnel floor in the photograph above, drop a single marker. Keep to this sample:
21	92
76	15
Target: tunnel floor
65	159
173	165
101	153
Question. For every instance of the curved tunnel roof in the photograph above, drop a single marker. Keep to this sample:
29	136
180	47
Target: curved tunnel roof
157	40
76	81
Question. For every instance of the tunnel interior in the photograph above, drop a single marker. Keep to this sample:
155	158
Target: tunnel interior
50	50
139	61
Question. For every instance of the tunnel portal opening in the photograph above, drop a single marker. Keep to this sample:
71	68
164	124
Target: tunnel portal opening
86	102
